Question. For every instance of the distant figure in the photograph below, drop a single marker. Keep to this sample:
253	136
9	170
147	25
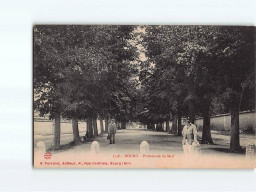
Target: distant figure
112	131
144	147
189	141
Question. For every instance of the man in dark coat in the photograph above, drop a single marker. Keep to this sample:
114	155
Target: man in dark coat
112	131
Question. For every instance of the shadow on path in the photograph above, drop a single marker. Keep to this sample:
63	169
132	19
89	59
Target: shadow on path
227	150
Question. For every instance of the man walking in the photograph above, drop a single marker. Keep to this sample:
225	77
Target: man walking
112	131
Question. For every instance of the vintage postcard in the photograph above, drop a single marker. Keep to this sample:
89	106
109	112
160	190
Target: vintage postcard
144	96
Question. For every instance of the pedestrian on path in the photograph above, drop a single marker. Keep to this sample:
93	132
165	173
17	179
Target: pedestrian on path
189	141
112	131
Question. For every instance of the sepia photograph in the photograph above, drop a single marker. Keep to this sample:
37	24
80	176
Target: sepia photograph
144	96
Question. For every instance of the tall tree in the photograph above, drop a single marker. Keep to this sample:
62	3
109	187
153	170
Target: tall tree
236	65
199	61
80	70
46	52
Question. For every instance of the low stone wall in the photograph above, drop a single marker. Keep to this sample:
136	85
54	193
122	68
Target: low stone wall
46	127
223	121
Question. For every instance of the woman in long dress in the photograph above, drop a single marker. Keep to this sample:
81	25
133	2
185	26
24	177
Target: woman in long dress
189	141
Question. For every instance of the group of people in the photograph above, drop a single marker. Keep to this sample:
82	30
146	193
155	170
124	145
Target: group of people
189	134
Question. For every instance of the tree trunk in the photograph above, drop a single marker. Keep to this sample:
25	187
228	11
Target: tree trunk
106	125
154	126
168	125
87	128
89	133
117	124
206	137
56	123
75	130
150	126
101	125
234	139
174	124
179	124
159	126
95	127
191	108
191	112
123	125
162	126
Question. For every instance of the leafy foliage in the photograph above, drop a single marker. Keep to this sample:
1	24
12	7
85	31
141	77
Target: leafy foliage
81	70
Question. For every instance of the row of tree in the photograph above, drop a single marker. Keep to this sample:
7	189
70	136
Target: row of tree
96	72
197	71
84	73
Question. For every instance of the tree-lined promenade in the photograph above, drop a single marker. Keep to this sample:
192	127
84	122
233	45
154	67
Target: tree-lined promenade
98	72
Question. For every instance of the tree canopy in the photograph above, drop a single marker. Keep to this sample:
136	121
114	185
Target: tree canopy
89	72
